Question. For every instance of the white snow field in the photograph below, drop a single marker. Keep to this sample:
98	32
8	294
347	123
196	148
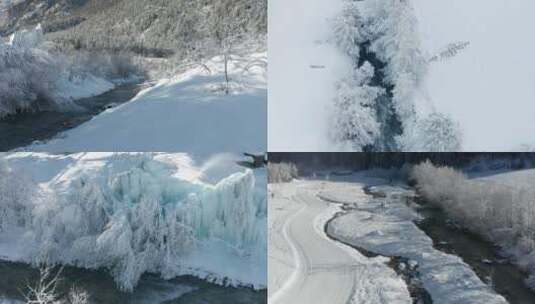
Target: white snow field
188	112
306	266
303	70
489	86
167	214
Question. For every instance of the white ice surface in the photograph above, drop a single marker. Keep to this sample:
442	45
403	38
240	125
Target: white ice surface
489	87
183	113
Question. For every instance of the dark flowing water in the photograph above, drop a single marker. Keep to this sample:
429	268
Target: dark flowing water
482	256
24	128
14	278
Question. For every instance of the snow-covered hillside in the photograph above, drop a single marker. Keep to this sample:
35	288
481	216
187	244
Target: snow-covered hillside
134	213
488	86
189	112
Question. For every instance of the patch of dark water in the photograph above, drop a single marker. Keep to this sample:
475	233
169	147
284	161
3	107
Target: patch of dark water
15	277
402	266
24	128
481	255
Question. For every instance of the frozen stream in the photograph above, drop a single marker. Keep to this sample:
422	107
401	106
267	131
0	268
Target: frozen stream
481	255
24	128
151	289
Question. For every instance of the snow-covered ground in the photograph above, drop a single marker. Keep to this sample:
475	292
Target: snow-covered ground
303	69
188	112
133	213
304	262
306	266
489	86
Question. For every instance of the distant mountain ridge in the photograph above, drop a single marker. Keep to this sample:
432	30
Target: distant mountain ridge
156	28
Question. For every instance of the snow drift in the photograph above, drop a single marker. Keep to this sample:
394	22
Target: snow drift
132	214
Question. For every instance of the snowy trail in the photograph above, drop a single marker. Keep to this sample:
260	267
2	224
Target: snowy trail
324	270
322	265
299	31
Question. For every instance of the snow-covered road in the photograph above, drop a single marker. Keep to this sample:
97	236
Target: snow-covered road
322	264
309	267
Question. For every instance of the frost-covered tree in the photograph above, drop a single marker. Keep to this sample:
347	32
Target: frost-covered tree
27	75
282	172
354	119
449	51
347	30
17	195
501	212
391	29
436	132
143	219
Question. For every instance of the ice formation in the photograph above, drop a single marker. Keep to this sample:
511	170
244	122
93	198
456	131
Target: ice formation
133	217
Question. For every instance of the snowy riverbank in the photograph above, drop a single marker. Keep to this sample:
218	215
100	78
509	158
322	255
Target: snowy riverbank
175	113
300	251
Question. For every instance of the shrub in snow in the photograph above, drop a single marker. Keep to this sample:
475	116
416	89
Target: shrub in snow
437	132
502	213
281	172
145	220
33	79
27	75
354	119
17	195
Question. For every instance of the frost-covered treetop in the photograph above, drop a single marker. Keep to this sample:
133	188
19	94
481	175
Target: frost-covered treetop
132	215
27	38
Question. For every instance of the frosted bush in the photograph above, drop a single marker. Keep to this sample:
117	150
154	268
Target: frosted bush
502	213
17	195
281	172
437	132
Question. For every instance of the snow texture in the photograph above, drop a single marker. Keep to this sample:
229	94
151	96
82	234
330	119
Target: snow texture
136	213
306	266
488	87
385	226
177	112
